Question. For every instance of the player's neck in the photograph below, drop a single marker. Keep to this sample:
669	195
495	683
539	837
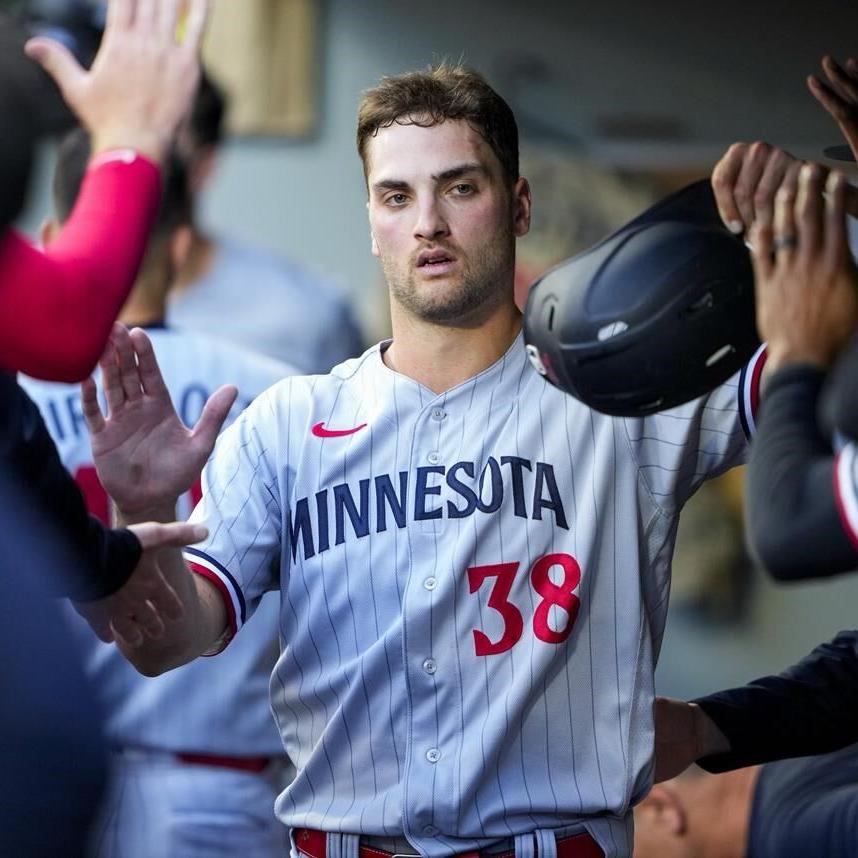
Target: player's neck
198	262
147	303
441	357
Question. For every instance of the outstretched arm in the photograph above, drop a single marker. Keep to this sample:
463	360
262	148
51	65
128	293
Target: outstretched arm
807	309
56	308
146	458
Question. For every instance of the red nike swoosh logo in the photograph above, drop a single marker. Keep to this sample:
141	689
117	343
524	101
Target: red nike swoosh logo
320	432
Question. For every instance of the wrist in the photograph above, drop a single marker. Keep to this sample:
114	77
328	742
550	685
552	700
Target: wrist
779	357
148	144
710	739
163	512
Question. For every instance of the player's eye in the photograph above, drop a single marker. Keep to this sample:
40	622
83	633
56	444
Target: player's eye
397	199
463	189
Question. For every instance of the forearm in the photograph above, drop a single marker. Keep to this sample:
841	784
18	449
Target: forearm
57	307
808	709
793	521
202	622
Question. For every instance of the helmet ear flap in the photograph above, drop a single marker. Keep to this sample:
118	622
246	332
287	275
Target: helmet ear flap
655	315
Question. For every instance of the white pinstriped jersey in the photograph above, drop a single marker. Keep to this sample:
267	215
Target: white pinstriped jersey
214	706
474	587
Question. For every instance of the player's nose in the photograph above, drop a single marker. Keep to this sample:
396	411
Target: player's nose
430	223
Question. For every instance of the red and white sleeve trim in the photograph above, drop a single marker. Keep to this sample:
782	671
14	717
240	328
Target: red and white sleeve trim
749	394
845	490
226	587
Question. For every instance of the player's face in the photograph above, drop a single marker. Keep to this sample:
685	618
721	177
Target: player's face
443	220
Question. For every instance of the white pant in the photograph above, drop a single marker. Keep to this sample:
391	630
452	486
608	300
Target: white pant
158	807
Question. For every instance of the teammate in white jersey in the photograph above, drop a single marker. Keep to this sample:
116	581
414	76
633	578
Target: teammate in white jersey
473	567
198	758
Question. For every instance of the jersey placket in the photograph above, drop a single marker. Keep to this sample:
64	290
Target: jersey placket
428	788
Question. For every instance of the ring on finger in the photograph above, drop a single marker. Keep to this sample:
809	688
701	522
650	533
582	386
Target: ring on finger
784	241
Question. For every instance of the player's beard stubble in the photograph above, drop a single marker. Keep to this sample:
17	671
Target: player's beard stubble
481	282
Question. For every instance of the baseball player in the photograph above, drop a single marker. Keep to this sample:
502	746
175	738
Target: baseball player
473	567
198	760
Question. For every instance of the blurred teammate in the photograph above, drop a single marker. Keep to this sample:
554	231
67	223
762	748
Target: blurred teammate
790	809
190	777
247	295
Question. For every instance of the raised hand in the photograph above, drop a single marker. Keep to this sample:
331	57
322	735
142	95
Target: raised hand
806	280
745	181
141	606
838	94
143	79
145	456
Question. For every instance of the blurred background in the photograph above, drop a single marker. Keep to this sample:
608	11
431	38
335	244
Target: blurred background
617	103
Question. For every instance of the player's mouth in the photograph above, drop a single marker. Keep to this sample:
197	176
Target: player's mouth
435	262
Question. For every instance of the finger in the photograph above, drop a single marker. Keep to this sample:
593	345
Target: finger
835	242
724	178
809	207
195	23
169	13
146	16
90	407
120	16
840	82
151	622
154	536
827	97
110	378
748	181
214	413
762	257
127	360
147	365
780	167
126	631
784	224
59	62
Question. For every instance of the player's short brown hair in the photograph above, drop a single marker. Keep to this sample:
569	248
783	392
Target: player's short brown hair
441	93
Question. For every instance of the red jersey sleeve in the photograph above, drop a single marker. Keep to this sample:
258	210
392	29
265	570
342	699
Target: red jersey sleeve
57	306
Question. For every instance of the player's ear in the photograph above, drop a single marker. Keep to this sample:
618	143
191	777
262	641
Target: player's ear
48	231
180	246
664	803
521	202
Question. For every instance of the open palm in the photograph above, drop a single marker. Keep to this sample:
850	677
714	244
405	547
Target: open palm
145	456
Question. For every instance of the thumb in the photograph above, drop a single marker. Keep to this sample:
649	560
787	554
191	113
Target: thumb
57	60
214	413
154	536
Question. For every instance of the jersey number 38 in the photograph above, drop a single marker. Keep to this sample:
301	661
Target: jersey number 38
560	595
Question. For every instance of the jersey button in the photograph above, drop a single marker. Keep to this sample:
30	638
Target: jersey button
430	583
430	830
433	755
434	457
430	665
438	414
